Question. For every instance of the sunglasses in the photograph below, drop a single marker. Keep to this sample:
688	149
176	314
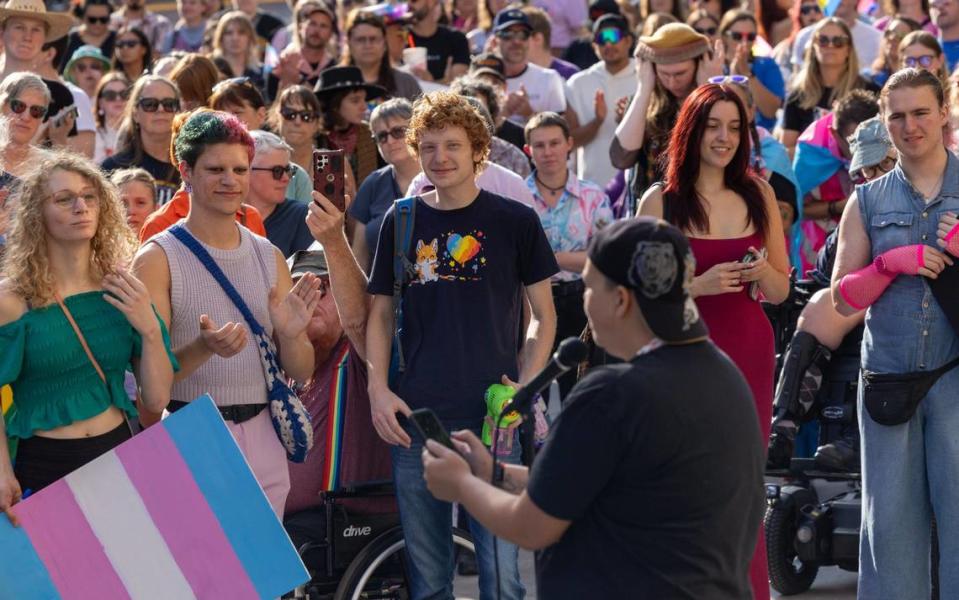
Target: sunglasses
36	111
740	80
278	171
306	116
922	61
810	8
610	35
127	44
113	95
84	67
836	41
740	36
710	31
234	81
95	20
151	105
513	34
892	34
397	133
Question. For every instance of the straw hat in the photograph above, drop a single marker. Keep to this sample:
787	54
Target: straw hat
58	24
672	43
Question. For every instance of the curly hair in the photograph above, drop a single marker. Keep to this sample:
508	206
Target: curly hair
26	264
438	110
207	127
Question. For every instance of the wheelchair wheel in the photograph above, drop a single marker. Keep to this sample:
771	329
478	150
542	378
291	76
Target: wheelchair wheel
787	573
379	570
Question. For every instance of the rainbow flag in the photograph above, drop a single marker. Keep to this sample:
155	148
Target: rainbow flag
174	513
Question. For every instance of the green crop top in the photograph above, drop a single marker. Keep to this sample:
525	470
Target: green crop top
54	383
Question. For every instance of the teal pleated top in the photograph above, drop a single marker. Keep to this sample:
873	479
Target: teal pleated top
54	383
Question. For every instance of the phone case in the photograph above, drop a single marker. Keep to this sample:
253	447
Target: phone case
328	176
428	425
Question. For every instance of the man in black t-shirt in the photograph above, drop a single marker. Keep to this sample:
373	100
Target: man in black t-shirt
477	258
650	482
447	51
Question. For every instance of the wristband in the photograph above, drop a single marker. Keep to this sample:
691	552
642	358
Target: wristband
952	241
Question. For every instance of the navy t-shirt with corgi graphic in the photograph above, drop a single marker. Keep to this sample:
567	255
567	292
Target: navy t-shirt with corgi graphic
462	312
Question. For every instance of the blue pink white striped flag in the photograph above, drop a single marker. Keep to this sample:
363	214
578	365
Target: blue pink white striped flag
174	513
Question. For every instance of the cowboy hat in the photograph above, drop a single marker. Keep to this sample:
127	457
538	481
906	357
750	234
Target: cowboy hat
335	79
58	24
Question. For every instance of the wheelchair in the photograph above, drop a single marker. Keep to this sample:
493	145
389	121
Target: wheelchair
356	556
813	514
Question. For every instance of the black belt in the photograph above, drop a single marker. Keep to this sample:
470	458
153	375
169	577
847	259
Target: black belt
237	413
568	288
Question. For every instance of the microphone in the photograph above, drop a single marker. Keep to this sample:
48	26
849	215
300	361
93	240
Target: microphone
570	353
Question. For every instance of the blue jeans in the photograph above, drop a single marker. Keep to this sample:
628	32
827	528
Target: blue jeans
427	527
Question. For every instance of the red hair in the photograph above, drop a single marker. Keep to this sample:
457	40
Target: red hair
682	202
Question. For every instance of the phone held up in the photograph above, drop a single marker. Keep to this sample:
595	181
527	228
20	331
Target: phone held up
428	425
328	176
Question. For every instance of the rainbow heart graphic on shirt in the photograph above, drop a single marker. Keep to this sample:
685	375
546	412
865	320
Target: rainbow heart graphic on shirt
462	248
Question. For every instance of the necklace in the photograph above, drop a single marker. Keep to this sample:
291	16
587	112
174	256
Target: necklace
552	190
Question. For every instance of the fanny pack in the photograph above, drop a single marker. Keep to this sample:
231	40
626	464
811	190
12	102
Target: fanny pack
892	398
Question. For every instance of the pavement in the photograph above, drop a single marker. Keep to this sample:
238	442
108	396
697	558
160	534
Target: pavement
832	583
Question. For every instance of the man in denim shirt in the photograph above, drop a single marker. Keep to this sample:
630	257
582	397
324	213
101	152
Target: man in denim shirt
888	252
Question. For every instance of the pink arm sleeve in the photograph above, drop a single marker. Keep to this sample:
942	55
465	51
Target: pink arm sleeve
865	286
952	241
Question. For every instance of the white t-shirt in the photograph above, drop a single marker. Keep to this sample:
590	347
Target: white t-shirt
545	88
85	120
592	159
866	38
493	178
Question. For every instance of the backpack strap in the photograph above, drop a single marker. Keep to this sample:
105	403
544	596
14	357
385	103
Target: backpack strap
404	220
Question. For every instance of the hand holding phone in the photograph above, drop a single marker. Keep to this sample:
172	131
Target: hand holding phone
328	176
428	425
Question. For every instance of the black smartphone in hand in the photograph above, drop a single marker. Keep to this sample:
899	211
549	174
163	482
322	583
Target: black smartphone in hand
428	425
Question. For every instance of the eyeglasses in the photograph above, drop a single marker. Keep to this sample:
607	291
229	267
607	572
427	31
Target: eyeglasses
609	35
397	133
113	95
366	40
84	67
306	116
924	61
513	34
810	8
100	20
710	31
836	41
871	172
740	80
36	111
278	171
741	36
67	200
127	44
151	105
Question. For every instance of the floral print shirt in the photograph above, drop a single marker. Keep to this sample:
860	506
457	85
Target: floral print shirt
580	212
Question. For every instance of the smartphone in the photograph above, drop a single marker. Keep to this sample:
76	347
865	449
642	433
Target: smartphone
328	176
751	258
428	425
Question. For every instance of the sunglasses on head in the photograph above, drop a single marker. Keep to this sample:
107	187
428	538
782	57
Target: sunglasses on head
150	105
36	111
113	95
397	133
609	35
95	20
278	171
513	34
710	31
740	80
233	81
127	44
306	116
740	36
919	61
810	8
836	41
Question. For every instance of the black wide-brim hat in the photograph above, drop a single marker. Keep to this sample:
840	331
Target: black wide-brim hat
337	79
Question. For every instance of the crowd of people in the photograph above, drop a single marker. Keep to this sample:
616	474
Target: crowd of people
641	174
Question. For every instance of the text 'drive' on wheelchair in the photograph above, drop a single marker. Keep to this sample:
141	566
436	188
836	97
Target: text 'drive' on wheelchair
814	504
356	556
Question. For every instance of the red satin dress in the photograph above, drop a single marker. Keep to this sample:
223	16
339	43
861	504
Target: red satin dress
738	325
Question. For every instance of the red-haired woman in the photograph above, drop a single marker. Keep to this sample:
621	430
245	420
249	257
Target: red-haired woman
733	224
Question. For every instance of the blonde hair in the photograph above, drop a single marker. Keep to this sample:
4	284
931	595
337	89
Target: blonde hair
246	25
809	82
26	264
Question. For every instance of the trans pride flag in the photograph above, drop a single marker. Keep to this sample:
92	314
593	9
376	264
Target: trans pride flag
173	514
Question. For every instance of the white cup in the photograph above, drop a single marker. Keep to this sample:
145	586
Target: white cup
415	58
